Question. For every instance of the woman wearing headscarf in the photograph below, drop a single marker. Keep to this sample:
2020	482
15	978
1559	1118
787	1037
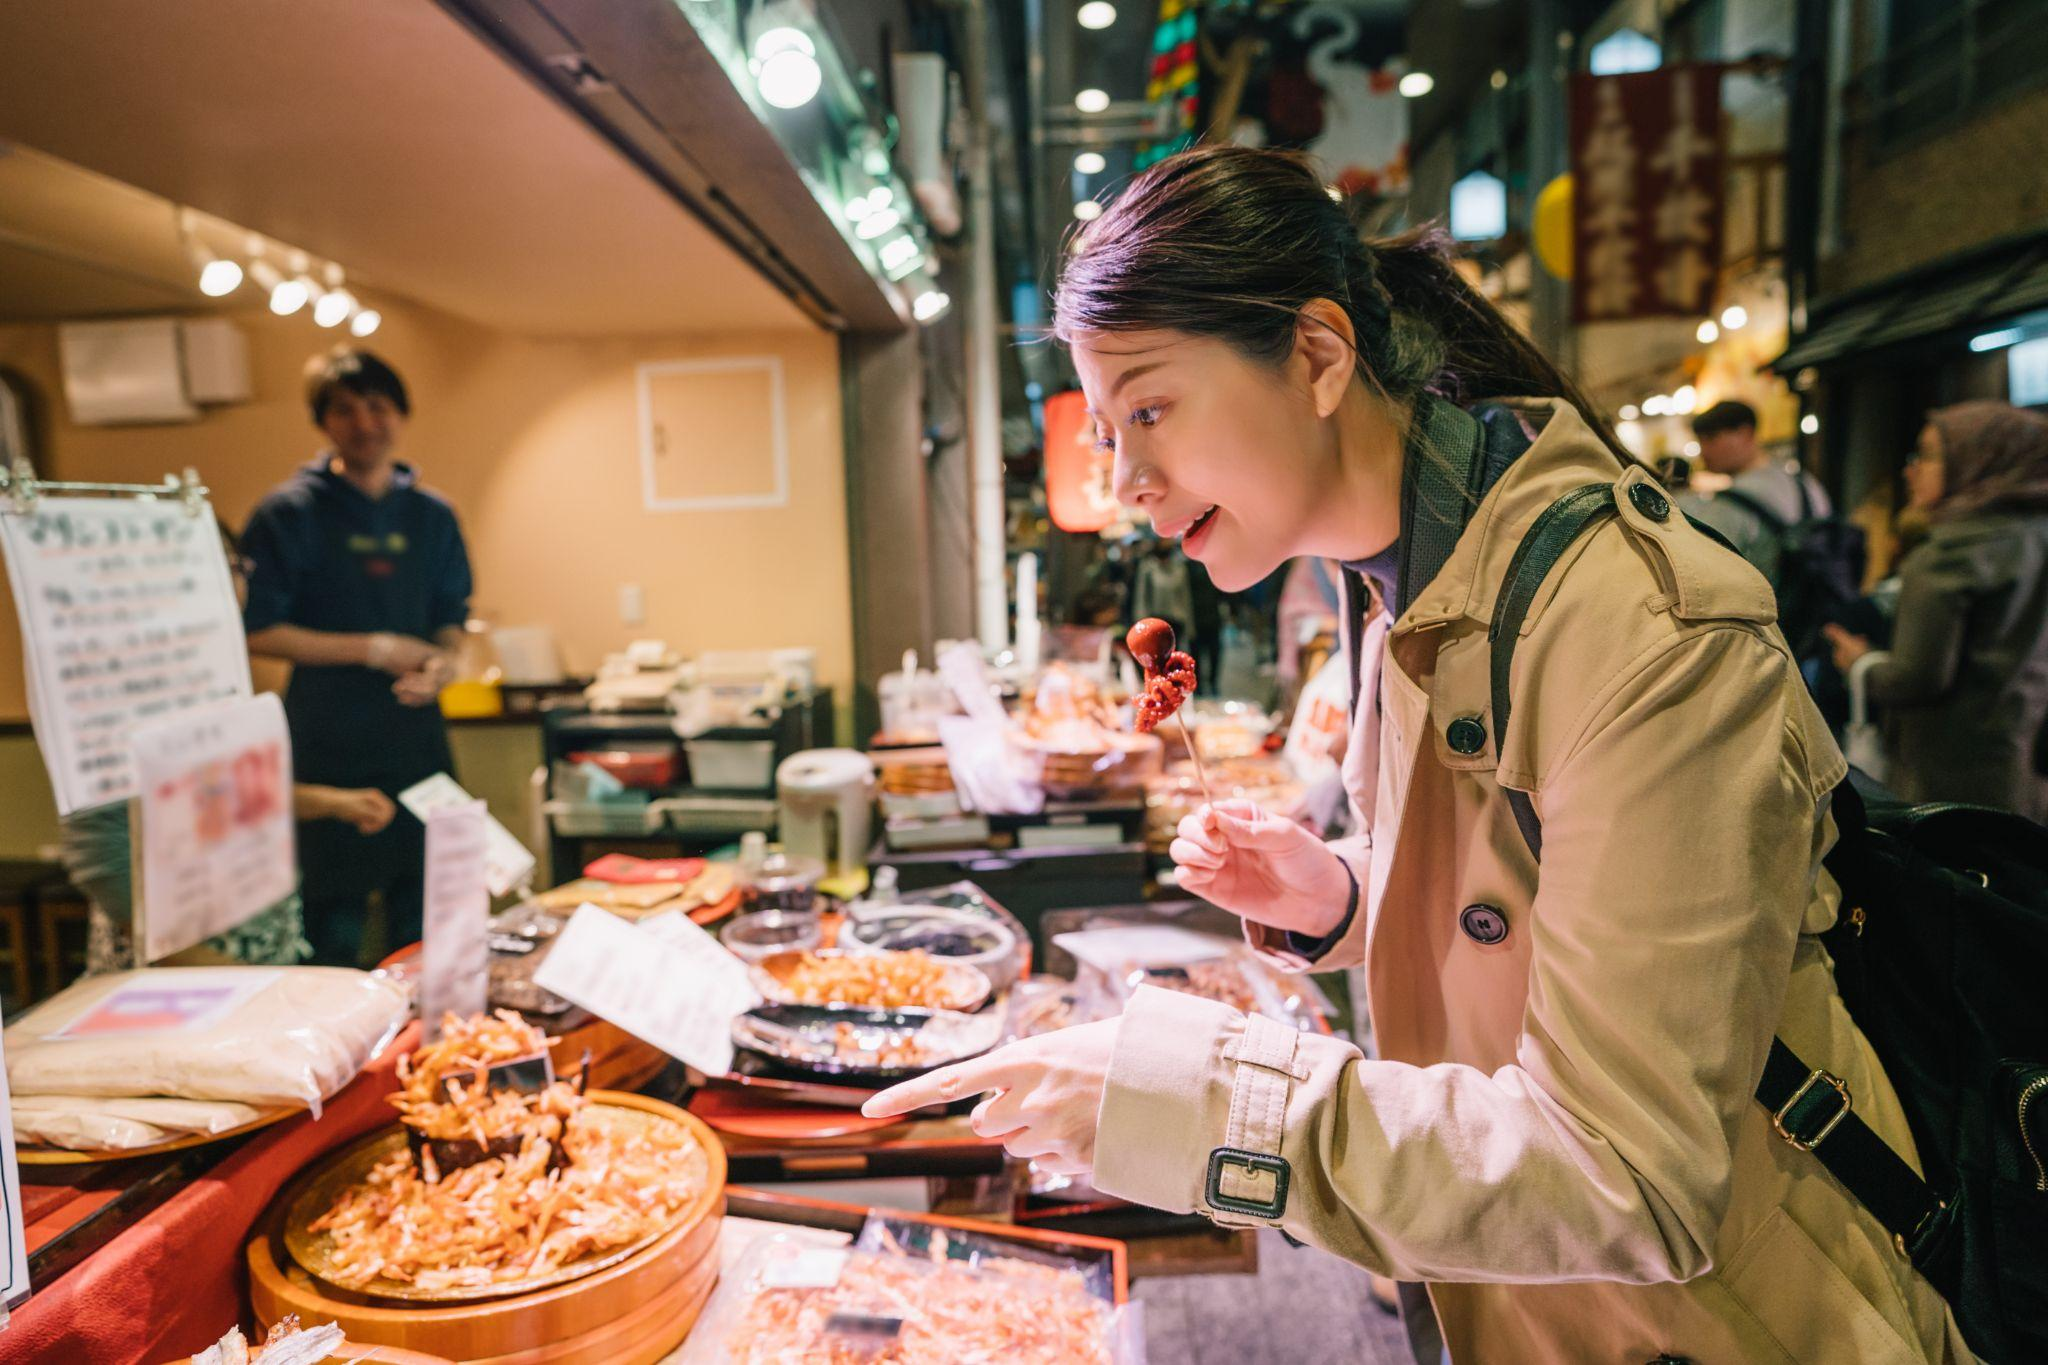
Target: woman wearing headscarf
1966	685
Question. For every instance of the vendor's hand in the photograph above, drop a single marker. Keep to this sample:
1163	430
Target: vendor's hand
368	809
1264	867
398	654
1848	647
1044	1094
423	685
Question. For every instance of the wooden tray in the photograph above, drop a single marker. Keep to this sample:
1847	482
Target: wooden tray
313	1252
347	1353
632	1313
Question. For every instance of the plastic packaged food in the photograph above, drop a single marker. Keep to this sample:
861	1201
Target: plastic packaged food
98	1123
254	1035
913	1294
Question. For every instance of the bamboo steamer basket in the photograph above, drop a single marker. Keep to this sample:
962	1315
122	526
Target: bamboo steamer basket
632	1313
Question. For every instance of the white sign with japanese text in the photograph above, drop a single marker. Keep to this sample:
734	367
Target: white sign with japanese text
216	821
506	861
455	954
669	992
128	615
14	1255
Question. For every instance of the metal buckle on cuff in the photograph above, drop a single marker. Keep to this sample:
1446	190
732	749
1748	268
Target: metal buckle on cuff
1250	1163
1819	1077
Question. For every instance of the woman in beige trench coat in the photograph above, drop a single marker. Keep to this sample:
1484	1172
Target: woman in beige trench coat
1558	1136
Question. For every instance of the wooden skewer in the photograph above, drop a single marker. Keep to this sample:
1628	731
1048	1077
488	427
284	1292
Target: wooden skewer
1188	737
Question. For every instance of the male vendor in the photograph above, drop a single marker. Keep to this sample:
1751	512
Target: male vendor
360	579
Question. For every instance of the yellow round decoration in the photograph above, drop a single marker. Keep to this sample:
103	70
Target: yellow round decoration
1552	227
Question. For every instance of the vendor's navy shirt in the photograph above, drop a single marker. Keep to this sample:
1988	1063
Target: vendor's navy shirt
324	555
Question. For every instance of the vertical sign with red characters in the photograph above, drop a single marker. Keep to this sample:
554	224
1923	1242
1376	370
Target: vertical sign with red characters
1646	158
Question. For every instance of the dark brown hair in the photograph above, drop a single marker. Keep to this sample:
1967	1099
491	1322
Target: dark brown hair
360	372
1230	242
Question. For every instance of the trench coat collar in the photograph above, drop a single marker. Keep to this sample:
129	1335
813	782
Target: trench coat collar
1566	454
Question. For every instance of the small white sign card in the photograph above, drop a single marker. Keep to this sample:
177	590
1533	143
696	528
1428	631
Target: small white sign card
455	955
674	987
216	816
127	615
14	1256
507	862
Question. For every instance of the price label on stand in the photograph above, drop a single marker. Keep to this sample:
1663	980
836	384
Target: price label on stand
216	821
14	1256
667	987
506	861
455	955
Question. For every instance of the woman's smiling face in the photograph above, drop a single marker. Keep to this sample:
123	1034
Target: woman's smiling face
1224	452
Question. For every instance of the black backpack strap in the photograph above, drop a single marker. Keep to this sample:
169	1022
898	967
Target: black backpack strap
1813	1111
1773	523
1810	1108
1552	533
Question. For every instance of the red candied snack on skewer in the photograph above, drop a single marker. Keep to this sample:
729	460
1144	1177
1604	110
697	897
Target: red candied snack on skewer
1169	673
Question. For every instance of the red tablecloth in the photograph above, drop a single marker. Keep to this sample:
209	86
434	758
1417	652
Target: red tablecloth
170	1285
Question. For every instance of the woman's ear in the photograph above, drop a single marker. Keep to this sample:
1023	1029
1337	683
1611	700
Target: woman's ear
1324	340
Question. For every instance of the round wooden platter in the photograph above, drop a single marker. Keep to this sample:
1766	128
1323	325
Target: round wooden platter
33	1155
634	1311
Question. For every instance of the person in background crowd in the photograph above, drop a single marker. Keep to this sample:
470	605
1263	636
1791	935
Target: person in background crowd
360	579
1207	620
1728	446
1965	688
1164	589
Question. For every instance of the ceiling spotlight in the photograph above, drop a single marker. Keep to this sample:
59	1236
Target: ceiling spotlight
1734	317
219	277
1692	450
1499	79
365	322
1629	412
289	296
1416	84
332	308
1657	405
1088	210
878	222
1709	332
1096	14
1092	101
786	67
1685	399
897	250
856	208
880	197
1091	163
1810	424
929	305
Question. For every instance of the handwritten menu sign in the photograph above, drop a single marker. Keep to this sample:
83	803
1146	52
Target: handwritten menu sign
455	955
127	615
665	987
216	797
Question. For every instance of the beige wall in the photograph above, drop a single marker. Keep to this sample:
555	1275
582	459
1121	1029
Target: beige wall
535	442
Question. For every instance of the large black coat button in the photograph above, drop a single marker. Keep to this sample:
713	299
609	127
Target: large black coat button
1650	501
1484	924
1465	735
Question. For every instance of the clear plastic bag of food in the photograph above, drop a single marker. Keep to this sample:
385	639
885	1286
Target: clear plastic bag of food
253	1035
907	1293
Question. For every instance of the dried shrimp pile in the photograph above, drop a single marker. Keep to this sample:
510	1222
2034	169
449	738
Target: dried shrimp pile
891	980
1007	1311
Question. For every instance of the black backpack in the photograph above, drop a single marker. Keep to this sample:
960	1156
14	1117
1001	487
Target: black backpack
1938	956
1819	570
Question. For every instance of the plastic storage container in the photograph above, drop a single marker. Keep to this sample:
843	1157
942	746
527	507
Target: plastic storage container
732	764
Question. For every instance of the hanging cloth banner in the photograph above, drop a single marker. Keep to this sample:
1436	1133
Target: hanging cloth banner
1646	154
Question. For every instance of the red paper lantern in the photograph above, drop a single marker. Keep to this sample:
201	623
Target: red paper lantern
1078	488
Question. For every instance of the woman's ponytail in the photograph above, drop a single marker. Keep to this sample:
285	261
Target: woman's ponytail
1230	242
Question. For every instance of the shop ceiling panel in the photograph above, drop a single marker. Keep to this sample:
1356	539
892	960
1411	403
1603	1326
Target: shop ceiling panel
384	135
